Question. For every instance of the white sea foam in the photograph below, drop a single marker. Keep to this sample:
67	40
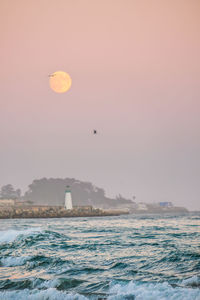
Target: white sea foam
49	294
192	281
13	261
10	235
152	291
49	283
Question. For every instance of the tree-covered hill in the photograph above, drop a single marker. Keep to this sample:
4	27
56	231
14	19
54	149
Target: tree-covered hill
51	191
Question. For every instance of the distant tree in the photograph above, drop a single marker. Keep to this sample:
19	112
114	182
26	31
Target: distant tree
119	197
51	191
18	193
134	197
8	192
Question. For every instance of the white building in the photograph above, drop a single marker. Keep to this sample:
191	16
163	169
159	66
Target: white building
141	206
68	198
7	202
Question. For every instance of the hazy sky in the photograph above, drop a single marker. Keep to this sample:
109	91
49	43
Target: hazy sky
135	68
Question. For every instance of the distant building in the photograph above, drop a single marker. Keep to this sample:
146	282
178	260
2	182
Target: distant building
23	203
141	206
68	198
7	202
165	204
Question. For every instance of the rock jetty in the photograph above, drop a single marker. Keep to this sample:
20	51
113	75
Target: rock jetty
54	212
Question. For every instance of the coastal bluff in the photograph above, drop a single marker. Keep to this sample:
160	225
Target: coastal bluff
25	212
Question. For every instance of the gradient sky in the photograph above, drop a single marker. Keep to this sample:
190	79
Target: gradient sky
135	68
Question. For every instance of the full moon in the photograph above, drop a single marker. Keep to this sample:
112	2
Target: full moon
60	82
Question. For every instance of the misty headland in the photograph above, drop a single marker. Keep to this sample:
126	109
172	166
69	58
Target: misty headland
45	198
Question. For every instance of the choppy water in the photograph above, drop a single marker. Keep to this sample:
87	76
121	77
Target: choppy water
127	257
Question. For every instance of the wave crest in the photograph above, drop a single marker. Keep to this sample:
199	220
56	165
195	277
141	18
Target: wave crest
11	235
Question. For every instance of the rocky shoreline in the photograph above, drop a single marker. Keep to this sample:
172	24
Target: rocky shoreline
54	212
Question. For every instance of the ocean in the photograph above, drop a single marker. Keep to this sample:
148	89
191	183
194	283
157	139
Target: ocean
131	257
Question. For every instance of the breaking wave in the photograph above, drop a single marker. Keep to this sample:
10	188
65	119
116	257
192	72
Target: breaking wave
13	261
49	294
8	236
143	291
51	290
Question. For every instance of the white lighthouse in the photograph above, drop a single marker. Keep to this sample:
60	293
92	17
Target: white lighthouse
68	198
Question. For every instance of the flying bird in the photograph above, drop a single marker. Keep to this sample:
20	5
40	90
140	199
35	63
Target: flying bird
94	131
51	75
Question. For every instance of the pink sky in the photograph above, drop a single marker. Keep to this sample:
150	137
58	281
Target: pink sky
135	72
